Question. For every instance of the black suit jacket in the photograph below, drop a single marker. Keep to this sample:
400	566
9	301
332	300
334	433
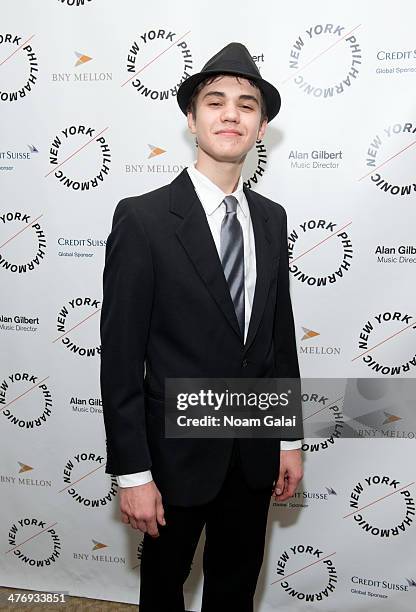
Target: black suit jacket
166	304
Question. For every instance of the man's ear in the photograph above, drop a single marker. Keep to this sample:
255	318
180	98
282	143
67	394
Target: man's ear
262	129
191	122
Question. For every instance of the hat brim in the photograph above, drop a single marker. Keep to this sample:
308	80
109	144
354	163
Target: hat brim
271	95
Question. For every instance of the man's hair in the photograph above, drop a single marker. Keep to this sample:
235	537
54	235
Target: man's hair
210	79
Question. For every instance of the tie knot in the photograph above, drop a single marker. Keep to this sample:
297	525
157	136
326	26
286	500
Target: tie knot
230	204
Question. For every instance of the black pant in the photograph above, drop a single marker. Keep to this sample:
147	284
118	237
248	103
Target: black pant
235	525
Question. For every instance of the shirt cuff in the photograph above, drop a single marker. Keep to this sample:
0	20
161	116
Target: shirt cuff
140	478
290	444
133	480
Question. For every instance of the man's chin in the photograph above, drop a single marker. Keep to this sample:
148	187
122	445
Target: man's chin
231	157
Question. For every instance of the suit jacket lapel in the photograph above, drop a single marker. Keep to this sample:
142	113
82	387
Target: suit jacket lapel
264	263
196	238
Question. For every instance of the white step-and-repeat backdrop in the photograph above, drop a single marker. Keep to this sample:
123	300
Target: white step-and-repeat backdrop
89	116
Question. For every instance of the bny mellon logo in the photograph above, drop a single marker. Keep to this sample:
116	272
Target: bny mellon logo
98	545
390	418
24	467
309	333
155	151
82	58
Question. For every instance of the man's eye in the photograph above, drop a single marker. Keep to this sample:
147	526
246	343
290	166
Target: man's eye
247	107
214	104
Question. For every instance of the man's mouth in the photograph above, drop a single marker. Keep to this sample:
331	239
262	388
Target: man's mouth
228	133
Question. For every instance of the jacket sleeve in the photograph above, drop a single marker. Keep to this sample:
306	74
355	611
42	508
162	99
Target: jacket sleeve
124	327
284	337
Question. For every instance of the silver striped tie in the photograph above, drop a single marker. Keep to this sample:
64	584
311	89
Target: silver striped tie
232	257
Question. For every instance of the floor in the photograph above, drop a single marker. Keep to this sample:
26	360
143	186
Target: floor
74	604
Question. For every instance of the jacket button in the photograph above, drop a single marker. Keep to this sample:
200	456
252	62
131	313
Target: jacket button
244	363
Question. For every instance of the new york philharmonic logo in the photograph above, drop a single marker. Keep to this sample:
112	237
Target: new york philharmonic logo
22	242
72	315
382	506
75	2
325	60
323	417
19	67
34	542
385	149
85	481
25	401
139	552
67	145
149	47
255	165
301	565
317	266
382	340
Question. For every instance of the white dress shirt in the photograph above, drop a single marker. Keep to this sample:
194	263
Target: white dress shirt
211	198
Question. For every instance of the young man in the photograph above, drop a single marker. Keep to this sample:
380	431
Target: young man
196	285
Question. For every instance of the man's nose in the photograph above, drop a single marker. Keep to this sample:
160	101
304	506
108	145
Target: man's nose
230	113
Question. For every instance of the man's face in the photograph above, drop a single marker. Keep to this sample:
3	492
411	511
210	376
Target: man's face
227	122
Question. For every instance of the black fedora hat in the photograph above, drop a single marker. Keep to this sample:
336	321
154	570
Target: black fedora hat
233	59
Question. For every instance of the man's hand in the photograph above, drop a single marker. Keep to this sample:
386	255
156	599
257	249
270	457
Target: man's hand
142	507
290	474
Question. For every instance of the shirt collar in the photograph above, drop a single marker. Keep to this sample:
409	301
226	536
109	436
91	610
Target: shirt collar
211	195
